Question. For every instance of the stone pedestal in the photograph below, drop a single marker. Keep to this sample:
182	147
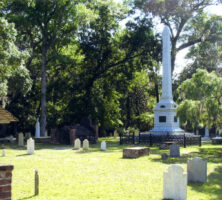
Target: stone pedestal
5	181
135	152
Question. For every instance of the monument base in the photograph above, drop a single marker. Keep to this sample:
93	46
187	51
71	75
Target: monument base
167	131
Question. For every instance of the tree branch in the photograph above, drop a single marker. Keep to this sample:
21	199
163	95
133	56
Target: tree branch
188	44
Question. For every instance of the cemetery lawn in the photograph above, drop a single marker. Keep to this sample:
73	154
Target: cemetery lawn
67	174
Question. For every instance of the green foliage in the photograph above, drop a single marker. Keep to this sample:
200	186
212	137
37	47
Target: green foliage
109	59
201	99
140	101
189	113
207	54
11	61
93	67
44	28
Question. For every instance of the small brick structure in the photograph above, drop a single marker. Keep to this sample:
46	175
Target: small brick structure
72	136
44	140
135	152
5	181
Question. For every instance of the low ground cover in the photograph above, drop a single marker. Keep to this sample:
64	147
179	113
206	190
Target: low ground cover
67	174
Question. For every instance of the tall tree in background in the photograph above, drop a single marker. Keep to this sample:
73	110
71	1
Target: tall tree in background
47	25
201	100
92	69
112	56
185	20
205	55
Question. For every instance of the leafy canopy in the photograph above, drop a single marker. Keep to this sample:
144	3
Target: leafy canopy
201	99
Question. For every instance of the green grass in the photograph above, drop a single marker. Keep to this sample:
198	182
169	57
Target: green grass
87	175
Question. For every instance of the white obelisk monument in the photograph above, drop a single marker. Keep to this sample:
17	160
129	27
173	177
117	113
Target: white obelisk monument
165	120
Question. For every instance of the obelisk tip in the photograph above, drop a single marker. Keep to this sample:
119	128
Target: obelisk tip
166	30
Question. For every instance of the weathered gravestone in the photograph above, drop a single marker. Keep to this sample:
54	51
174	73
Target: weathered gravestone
116	134
85	145
77	144
103	146
20	139
174	150
30	146
197	170
3	152
164	156
175	183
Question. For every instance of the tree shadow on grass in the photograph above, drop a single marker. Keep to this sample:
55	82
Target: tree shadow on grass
25	154
211	155
29	197
213	186
112	145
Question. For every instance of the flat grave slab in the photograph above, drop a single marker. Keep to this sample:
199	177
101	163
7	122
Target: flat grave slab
135	152
217	140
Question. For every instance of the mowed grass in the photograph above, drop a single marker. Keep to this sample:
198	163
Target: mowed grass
67	174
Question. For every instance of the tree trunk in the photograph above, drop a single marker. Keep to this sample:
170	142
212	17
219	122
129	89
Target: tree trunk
173	56
43	86
128	111
157	92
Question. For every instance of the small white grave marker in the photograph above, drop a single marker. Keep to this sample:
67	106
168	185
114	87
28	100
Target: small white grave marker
85	145
77	144
103	146
175	183
30	146
197	170
20	139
